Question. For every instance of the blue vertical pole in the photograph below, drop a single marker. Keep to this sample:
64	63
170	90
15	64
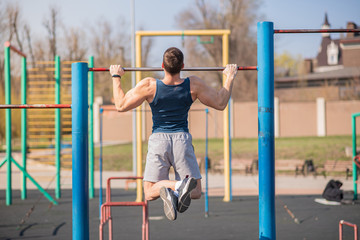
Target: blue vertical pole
265	59
206	165
100	161
80	158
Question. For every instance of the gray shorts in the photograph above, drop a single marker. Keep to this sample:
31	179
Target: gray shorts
170	149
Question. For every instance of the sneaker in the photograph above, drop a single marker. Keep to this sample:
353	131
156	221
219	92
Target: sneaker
170	202
185	189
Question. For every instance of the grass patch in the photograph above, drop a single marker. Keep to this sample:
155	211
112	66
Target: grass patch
319	149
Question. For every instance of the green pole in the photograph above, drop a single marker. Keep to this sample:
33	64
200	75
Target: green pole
47	195
57	129
354	152
23	126
8	122
91	128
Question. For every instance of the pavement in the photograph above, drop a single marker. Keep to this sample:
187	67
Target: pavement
242	185
35	218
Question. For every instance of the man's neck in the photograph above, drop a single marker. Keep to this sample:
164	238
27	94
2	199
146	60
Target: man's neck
172	79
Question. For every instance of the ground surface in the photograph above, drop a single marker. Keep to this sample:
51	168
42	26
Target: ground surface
235	220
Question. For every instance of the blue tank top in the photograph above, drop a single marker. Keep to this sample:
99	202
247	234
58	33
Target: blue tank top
170	107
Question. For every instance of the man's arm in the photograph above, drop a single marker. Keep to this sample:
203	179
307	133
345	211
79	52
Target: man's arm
134	97
217	99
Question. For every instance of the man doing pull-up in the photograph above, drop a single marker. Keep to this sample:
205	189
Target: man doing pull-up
170	143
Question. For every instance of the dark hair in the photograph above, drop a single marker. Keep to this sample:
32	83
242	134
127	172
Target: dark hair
173	60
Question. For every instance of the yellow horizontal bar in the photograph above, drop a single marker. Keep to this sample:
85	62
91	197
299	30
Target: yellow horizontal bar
41	89
34	70
42	96
70	62
41	129
41	116
66	76
66	82
219	32
39	76
41	82
45	62
30	124
47	150
66	155
37	144
48	129
41	136
67	135
42	156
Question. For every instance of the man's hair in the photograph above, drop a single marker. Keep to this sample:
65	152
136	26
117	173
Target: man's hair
173	60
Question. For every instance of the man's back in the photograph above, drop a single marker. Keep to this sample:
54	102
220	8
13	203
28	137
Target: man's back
170	107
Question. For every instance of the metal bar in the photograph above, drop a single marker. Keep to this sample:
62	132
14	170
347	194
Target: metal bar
28	106
23	126
139	151
46	194
101	162
190	69
266	141
91	129
58	127
315	30
211	32
341	223
3	162
353	123
227	180
206	164
7	44
8	122
80	165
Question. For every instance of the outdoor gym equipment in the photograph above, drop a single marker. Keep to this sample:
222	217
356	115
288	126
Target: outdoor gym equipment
265	51
105	216
341	223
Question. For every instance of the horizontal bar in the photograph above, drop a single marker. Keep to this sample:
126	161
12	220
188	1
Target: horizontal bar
342	222
7	44
45	62
126	204
218	32
315	30
150	69
70	62
17	106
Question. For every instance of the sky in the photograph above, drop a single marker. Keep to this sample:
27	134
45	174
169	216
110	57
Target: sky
160	15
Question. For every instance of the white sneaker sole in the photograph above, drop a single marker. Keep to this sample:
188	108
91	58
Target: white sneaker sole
169	209
185	198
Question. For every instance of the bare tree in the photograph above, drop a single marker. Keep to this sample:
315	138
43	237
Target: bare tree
28	40
239	17
51	27
75	48
13	13
109	47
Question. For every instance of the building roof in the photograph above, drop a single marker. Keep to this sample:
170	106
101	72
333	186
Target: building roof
344	73
326	21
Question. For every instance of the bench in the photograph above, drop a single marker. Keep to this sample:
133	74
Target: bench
295	165
335	166
239	165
